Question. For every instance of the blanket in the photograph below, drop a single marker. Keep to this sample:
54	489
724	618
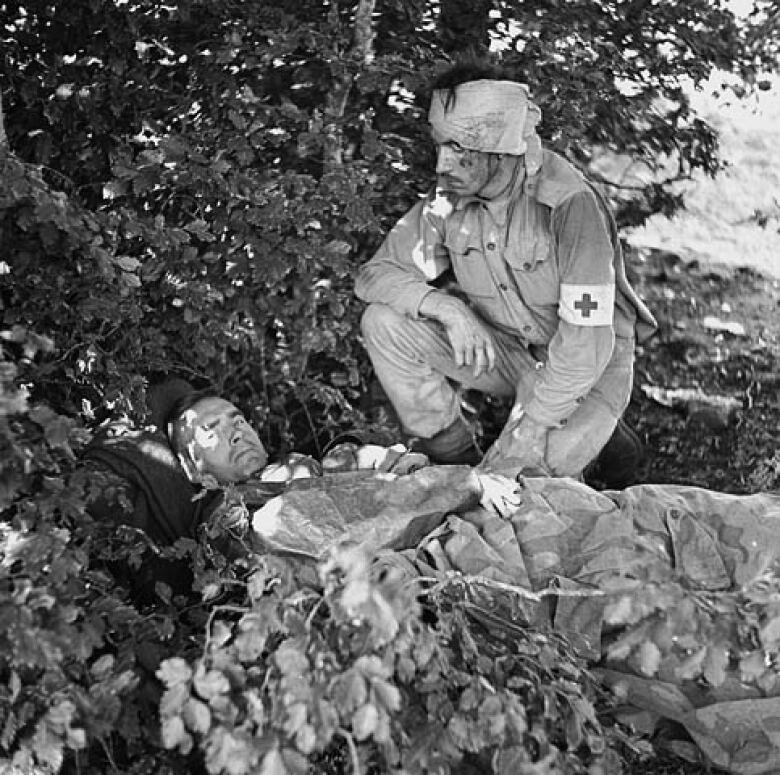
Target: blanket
592	546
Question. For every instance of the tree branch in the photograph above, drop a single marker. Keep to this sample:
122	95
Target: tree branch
3	135
361	53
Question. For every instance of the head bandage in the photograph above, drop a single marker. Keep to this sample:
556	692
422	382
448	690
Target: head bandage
489	116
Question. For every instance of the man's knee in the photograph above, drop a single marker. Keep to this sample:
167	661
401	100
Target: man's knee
573	446
379	323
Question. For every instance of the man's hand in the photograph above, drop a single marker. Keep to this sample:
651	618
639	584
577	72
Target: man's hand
499	494
522	446
471	340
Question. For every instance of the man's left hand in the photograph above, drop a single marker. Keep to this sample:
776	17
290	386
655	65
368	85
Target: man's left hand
521	445
499	494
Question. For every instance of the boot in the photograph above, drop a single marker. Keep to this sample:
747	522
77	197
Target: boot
617	463
455	445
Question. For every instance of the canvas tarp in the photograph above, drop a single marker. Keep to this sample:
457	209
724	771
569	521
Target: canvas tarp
567	535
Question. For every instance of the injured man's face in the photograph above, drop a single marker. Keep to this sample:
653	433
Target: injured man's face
215	438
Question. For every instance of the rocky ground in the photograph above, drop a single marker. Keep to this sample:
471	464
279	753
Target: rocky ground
707	389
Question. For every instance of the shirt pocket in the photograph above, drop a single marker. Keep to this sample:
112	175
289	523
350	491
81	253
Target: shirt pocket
470	265
533	266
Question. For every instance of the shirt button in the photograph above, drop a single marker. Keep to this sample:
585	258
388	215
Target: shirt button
526	265
503	286
579	399
491	246
526	328
563	423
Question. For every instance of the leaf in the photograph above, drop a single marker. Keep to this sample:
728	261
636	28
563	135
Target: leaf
690	667
101	668
131	280
338	247
306	739
752	666
649	658
350	691
48	748
75	738
295	763
715	664
210	684
174	671
220	634
257	583
388	695
297	714
618	612
59	717
173	699
56	428
196	715
770	634
273	763
364	721
290	660
210	591
174	735
127	263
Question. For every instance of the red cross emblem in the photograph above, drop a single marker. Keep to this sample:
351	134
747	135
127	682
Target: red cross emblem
586	305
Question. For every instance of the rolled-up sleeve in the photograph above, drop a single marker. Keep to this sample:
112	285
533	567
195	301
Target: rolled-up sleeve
582	346
412	255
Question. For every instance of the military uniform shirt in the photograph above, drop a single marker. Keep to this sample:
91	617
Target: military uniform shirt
542	263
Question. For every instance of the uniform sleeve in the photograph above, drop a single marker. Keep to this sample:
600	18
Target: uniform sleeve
412	255
582	345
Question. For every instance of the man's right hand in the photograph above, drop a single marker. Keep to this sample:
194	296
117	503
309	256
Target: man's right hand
471	340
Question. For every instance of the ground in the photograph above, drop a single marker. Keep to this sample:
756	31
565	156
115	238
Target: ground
693	444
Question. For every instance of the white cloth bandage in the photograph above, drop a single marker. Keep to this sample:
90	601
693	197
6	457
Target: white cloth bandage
489	116
587	305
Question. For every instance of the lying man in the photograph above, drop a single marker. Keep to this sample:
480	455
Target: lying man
541	310
592	553
168	476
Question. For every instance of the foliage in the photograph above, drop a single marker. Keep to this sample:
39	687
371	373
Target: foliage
206	176
188	189
687	634
290	673
77	656
258	669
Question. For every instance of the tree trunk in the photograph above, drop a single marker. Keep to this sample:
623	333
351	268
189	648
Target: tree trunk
359	55
3	135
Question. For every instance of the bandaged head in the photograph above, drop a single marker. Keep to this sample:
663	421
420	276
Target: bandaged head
490	116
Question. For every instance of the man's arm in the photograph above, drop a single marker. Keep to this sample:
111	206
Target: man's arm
412	255
582	346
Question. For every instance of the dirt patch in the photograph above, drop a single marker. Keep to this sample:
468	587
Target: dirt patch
702	311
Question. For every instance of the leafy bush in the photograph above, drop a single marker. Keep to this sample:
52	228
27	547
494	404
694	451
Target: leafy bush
207	176
290	673
188	188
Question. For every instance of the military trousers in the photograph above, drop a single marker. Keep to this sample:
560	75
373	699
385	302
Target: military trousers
415	364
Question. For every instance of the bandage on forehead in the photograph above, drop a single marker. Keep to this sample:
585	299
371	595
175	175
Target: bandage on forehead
486	115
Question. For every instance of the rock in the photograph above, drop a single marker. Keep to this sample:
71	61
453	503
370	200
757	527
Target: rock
707	411
711	323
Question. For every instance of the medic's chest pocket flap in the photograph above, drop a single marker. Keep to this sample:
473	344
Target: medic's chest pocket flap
534	268
469	264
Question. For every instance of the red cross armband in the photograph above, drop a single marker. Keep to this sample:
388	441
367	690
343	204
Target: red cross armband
587	305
